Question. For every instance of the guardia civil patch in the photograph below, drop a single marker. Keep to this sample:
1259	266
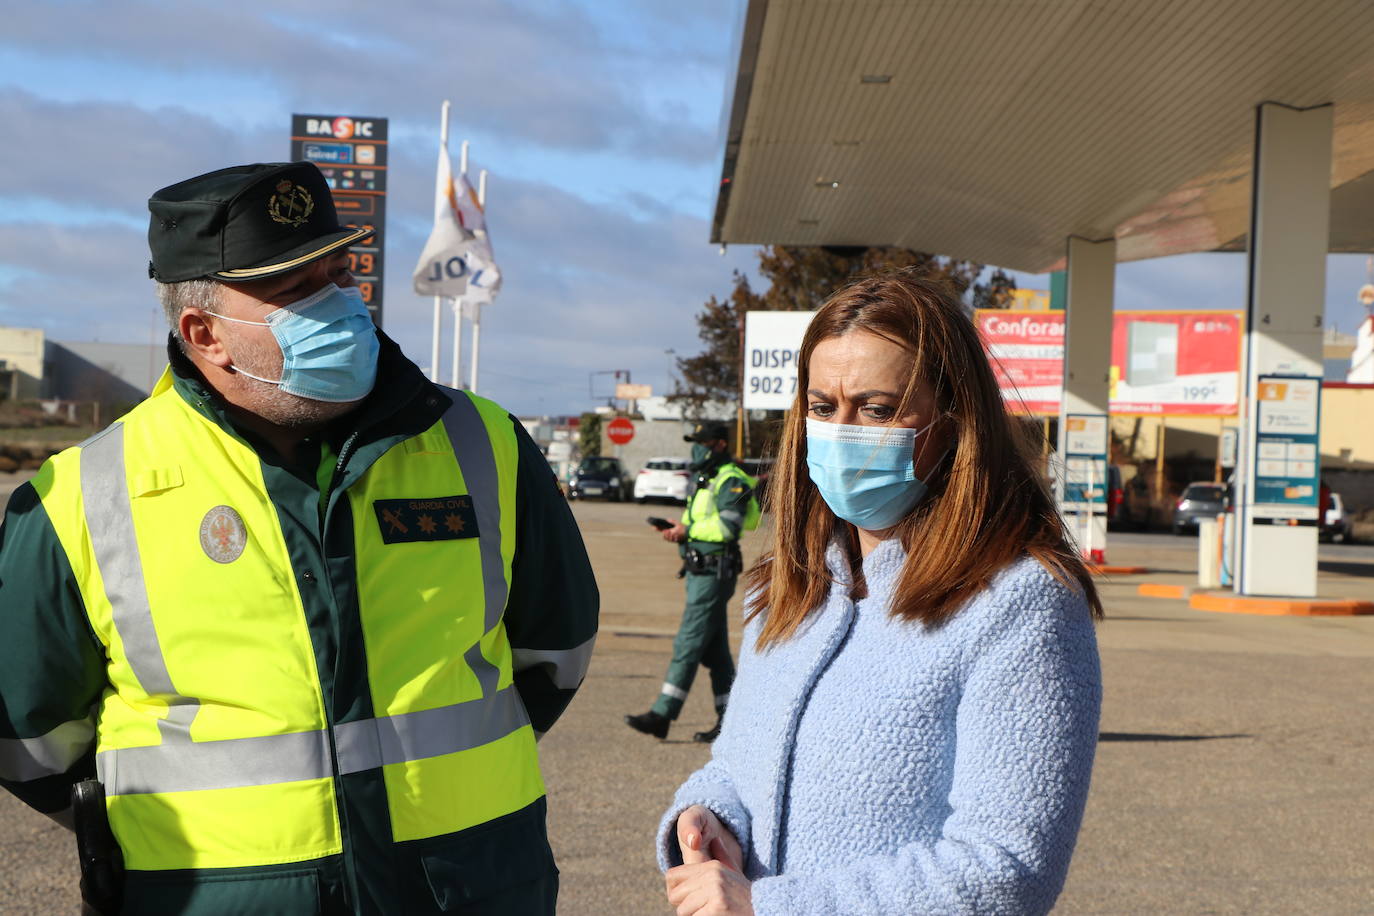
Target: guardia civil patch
223	535
438	518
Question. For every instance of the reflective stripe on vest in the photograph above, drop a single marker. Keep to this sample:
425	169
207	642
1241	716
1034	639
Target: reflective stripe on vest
268	759
179	764
110	521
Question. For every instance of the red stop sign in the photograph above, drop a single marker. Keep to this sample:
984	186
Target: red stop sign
620	431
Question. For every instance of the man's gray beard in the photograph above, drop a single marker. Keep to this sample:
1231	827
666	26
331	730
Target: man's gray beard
268	401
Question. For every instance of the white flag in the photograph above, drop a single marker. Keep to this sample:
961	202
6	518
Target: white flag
484	278
443	267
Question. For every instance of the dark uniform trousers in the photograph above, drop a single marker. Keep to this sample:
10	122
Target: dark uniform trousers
702	639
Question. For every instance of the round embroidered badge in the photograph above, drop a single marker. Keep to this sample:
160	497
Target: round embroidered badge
223	535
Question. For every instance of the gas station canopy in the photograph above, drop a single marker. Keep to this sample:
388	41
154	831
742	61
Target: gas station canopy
993	130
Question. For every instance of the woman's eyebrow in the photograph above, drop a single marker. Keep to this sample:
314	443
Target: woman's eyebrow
857	396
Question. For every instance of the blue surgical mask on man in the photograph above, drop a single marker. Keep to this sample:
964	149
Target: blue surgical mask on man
328	346
865	473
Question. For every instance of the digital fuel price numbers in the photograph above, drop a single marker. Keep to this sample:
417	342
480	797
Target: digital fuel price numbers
351	152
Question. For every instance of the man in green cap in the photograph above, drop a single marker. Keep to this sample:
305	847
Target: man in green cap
721	506
303	612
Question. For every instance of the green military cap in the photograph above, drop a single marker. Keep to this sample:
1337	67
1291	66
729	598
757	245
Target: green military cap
244	222
708	431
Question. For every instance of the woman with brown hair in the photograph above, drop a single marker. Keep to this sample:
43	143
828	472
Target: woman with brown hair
913	723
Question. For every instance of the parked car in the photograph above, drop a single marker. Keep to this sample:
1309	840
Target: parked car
1200	500
663	478
600	477
1335	521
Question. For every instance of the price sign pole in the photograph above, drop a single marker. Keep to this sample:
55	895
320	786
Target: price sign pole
351	152
1085	481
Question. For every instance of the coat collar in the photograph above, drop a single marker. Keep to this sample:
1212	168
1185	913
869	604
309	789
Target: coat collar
400	385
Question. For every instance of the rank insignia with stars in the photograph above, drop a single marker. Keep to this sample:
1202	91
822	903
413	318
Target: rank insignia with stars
438	518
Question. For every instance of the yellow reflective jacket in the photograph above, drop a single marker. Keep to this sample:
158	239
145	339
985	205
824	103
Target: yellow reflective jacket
214	743
725	507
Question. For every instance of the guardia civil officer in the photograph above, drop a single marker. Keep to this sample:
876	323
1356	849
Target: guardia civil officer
304	612
720	507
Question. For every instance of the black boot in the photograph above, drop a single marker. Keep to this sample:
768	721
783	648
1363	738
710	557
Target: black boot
708	736
650	723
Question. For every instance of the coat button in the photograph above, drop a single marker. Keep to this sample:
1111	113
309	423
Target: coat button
308	576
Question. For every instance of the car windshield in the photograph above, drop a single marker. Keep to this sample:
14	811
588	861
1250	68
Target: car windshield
598	466
666	464
1204	494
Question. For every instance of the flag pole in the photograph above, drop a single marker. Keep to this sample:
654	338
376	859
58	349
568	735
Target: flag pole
455	379
458	303
477	306
439	300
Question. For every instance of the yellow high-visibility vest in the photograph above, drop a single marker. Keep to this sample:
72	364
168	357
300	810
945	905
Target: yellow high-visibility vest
703	517
215	743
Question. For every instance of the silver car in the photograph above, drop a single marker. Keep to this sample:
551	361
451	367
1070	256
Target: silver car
1199	500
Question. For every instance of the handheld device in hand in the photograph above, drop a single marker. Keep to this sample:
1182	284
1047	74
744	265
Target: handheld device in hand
662	524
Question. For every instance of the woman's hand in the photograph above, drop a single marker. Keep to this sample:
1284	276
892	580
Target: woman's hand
711	888
701	837
710	881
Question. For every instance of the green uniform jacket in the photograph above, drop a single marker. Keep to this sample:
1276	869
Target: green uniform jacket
52	667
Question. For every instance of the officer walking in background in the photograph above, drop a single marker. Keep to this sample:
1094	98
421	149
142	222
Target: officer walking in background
720	507
303	611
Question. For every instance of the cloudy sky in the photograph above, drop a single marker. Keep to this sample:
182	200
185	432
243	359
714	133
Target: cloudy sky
599	121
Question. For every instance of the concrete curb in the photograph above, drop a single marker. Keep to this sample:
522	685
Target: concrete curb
1116	570
1163	590
1294	607
1227	603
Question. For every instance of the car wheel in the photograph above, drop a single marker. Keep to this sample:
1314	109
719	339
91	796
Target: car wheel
1178	531
1338	537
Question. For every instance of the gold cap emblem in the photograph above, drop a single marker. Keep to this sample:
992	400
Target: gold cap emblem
291	204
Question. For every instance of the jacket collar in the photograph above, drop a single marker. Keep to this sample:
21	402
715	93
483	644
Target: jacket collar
883	561
400	385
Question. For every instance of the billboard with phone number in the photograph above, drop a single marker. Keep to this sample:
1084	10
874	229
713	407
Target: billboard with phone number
1164	363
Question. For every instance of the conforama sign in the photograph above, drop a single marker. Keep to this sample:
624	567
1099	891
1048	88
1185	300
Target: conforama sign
1026	350
1176	363
1163	363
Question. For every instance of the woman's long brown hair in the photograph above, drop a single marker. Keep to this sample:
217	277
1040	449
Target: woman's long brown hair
987	506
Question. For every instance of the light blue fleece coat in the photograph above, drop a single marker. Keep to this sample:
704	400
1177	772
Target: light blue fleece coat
870	765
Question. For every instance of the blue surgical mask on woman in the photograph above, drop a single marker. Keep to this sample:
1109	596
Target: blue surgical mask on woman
865	473
328	346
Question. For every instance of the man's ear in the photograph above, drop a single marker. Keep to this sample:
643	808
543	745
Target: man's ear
202	338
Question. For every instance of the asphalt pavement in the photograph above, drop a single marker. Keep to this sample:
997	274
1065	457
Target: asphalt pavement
1233	773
